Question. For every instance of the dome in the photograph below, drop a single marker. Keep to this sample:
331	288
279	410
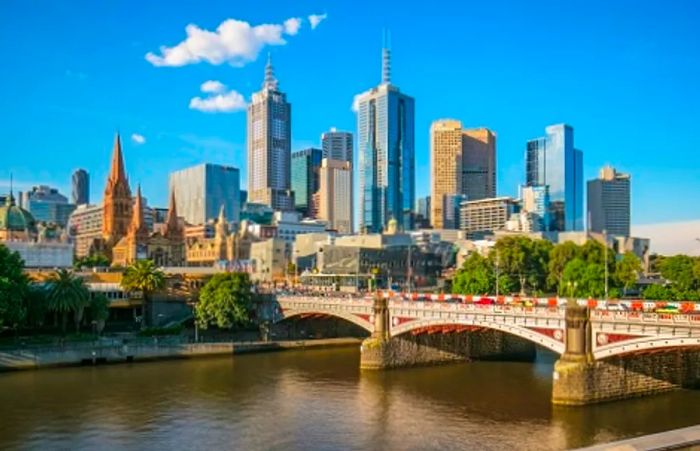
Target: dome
14	218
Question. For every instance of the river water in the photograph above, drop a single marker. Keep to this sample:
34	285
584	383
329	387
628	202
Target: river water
316	399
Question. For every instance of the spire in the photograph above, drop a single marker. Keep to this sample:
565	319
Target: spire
10	201
137	224
270	82
221	230
386	59
116	171
172	227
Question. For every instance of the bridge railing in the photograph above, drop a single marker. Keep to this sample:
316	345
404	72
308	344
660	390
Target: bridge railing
691	319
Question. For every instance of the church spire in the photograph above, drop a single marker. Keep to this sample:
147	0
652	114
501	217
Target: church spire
270	82
116	171
221	230
172	226
138	227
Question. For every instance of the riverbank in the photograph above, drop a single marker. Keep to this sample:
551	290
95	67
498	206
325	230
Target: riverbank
95	354
678	439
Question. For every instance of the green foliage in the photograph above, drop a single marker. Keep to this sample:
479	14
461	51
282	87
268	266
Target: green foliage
14	286
225	301
37	303
656	292
67	294
560	255
477	276
99	307
627	270
680	270
143	276
525	260
91	261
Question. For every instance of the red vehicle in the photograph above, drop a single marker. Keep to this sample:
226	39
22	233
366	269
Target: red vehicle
485	301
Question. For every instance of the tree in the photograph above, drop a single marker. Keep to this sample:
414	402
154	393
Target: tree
560	255
225	301
627	271
37	305
477	276
524	259
13	289
680	271
91	261
656	293
67	293
99	311
143	276
572	278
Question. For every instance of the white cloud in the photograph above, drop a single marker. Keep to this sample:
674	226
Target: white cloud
292	26
668	238
213	86
315	19
234	41
138	138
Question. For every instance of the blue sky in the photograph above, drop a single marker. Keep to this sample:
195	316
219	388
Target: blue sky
624	74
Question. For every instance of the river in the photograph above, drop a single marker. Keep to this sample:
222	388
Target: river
317	399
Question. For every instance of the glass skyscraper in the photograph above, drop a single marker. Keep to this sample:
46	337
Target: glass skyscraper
385	134
553	161
337	145
201	190
80	187
305	171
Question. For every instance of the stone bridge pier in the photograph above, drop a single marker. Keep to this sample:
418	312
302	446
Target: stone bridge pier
580	379
384	351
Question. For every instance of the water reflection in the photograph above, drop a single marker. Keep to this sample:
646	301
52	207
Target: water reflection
314	399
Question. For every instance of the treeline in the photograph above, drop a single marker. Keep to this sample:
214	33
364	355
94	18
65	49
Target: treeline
683	275
537	267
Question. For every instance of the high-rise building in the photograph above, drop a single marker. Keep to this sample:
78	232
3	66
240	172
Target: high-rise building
337	145
609	203
463	163
385	134
305	169
47	204
117	204
423	212
80	187
554	161
479	164
201	191
269	145
85	225
480	218
335	195
535	200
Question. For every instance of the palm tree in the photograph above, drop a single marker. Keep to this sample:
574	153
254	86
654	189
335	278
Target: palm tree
67	293
143	276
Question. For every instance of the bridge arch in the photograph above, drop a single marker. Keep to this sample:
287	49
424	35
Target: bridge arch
632	346
292	313
518	331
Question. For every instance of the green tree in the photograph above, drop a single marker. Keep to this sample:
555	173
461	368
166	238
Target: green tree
37	305
524	259
656	293
560	255
91	261
13	289
538	263
627	271
225	301
572	278
680	271
67	294
476	276
143	276
99	311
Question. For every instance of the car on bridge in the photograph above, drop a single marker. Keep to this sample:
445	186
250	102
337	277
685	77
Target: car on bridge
485	301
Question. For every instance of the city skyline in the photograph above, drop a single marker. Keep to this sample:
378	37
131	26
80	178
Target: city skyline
175	136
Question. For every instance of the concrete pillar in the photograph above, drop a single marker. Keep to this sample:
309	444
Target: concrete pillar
375	349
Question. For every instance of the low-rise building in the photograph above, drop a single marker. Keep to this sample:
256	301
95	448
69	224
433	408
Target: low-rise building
270	260
480	218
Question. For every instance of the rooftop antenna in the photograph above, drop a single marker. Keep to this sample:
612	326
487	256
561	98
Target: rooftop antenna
386	58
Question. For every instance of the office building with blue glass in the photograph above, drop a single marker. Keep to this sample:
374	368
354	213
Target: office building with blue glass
201	191
306	165
385	136
553	161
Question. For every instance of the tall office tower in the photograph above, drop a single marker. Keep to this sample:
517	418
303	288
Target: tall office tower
117	203
200	192
306	164
479	164
609	203
385	134
423	212
335	195
535	200
554	161
337	145
463	163
269	145
80	184
47	204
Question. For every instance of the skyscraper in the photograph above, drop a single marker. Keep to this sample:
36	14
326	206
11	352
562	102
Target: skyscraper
80	182
200	192
269	145
535	200
462	164
117	207
335	195
47	204
385	124
306	164
609	203
554	161
337	145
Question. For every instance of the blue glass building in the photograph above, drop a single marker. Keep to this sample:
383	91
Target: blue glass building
385	135
553	161
305	182
201	190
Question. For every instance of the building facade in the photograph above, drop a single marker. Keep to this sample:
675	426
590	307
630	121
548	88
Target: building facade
479	218
80	187
479	163
335	195
337	145
609	203
202	190
535	200
306	165
269	141
47	204
385	134
117	203
555	162
85	226
270	260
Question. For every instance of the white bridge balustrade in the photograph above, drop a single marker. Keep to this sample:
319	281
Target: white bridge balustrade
541	321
